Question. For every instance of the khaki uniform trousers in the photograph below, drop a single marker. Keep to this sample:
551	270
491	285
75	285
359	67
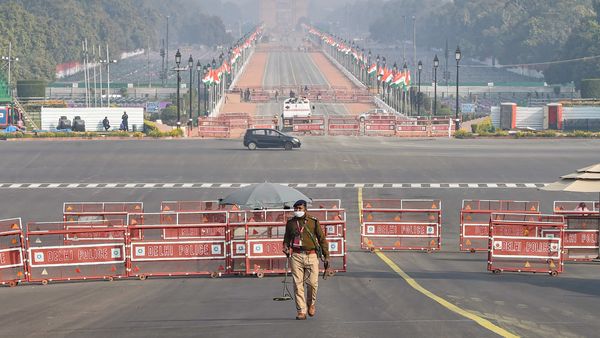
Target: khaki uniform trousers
305	268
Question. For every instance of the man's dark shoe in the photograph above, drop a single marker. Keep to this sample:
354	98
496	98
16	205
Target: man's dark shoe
312	310
301	316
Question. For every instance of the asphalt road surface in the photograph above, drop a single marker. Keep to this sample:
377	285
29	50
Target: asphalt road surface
370	300
292	68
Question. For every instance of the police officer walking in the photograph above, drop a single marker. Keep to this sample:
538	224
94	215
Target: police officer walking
305	241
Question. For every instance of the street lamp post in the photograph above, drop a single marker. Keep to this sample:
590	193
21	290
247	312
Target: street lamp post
383	80
420	68
190	92
458	57
368	77
213	92
178	63
402	93
205	71
436	64
394	91
198	70
377	74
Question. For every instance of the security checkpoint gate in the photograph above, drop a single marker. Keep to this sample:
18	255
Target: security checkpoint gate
314	125
526	243
475	220
98	211
392	224
380	125
581	234
344	125
12	252
59	251
178	244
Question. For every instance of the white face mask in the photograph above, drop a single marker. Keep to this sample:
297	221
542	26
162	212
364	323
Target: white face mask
299	214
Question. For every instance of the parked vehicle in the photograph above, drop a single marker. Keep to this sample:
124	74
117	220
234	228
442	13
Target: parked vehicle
269	138
362	117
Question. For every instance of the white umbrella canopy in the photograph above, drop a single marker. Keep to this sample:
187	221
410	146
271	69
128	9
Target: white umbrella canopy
586	180
264	195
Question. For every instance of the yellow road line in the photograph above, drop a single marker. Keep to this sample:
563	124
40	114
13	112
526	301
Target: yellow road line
415	285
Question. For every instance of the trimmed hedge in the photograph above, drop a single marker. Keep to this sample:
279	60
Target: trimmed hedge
590	88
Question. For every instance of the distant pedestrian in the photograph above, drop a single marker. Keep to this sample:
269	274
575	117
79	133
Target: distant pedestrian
106	123
276	96
241	95
125	122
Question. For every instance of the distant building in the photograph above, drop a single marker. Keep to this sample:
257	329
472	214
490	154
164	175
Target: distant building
283	14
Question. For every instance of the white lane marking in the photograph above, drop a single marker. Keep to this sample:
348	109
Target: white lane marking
140	185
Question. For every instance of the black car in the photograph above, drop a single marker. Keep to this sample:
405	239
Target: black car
269	138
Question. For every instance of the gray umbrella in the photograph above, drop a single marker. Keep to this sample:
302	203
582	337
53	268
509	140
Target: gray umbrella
264	195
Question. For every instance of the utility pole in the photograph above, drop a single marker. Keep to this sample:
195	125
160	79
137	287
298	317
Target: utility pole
163	74
94	65
85	71
167	45
100	61
107	77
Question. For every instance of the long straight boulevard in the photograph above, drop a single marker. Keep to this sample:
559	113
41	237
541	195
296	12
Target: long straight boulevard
371	299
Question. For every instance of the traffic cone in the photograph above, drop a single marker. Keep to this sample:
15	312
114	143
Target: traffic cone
397	218
527	265
468	207
166	208
69	208
15	226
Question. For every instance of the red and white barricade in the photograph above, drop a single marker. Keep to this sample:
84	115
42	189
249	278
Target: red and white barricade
406	128
526	243
236	120
264	122
189	206
65	251
178	244
581	234
346	125
211	127
475	220
393	224
314	125
98	211
442	127
12	252
264	244
380	125
333	224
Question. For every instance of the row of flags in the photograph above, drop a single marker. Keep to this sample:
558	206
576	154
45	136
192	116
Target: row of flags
396	79
215	75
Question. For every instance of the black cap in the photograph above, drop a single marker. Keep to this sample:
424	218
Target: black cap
299	203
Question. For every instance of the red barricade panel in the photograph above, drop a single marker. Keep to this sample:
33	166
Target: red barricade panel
178	244
526	243
401	225
98	211
61	251
581	235
12	257
475	220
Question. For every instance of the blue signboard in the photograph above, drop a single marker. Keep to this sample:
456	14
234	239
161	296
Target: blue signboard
3	116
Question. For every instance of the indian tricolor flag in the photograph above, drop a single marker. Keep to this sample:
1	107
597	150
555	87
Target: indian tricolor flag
388	76
372	70
407	80
207	79
398	80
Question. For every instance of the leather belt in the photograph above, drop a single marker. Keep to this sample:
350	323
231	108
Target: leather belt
308	252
